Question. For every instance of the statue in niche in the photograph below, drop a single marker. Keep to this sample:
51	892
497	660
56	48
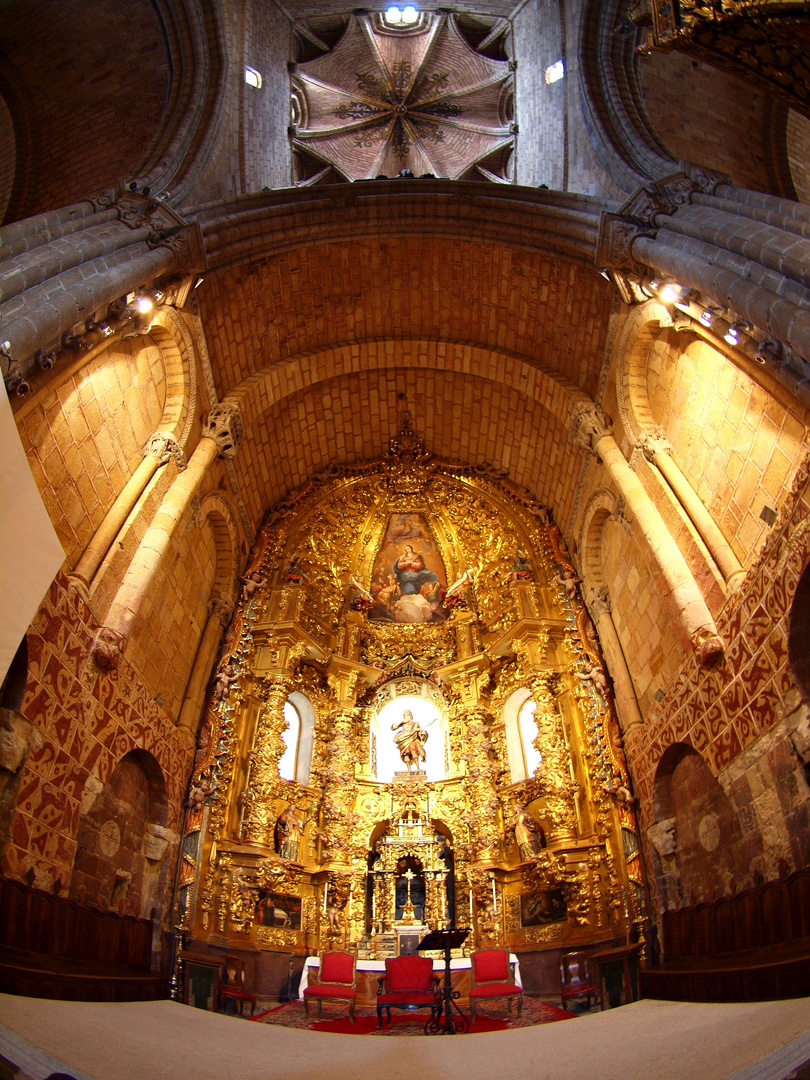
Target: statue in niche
410	740
529	835
291	832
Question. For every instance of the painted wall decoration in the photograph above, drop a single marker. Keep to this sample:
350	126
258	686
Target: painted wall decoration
408	581
537	909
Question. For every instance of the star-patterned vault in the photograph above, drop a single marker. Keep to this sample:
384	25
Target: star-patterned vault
383	100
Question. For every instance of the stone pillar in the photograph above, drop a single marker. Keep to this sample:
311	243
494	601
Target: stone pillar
219	614
630	718
658	452
221	436
590	432
702	266
158	451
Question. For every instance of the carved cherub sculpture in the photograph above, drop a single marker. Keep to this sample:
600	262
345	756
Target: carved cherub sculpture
253	581
594	673
222	683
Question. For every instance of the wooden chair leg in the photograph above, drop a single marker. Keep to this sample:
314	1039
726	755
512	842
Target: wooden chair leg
472	1010
519	1005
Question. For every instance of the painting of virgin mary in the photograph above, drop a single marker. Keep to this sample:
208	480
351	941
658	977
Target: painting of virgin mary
408	579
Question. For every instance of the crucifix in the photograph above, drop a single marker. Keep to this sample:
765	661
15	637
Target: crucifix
407	911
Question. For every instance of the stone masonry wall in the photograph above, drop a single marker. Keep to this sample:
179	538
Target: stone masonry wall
743	715
85	721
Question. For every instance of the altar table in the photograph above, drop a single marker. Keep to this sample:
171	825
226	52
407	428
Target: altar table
369	971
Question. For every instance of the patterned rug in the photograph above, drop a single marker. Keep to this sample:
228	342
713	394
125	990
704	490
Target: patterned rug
491	1017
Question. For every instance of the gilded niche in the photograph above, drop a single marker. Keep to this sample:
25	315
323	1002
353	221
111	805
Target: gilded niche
410	727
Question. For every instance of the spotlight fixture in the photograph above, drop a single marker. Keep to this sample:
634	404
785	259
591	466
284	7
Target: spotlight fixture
144	304
707	317
732	335
768	351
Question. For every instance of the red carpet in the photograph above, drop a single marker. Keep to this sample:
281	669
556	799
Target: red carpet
490	1018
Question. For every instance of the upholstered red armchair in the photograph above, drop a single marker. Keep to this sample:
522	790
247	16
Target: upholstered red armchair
337	982
491	978
408	983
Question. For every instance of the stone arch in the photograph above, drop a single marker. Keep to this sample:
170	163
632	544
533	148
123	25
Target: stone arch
598	511
176	343
217	510
697	844
632	348
799	634
122	837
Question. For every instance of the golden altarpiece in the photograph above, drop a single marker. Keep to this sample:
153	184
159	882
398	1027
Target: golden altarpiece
410	727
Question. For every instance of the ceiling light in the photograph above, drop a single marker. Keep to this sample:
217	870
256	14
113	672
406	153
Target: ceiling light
707	318
670	293
144	304
393	14
409	14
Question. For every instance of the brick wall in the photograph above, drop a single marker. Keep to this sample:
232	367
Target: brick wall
702	114
7	157
91	80
798	152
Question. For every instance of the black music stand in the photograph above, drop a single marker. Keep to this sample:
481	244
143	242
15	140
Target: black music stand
451	1025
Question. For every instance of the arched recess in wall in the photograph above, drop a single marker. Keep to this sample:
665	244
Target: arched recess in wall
622	137
697	844
122	838
84	439
8	157
62	157
799	634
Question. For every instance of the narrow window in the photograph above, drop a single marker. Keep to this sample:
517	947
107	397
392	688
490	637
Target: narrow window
253	78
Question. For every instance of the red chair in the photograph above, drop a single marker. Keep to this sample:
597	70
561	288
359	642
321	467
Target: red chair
491	978
408	983
575	981
337	981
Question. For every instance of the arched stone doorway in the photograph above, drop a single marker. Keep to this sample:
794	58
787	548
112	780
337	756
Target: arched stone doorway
122	838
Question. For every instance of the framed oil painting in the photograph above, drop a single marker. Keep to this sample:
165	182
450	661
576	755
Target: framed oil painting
537	909
408	581
273	909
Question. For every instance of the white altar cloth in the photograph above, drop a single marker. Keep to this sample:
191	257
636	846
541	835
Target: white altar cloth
461	964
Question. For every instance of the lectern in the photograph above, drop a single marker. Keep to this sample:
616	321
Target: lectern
446	1023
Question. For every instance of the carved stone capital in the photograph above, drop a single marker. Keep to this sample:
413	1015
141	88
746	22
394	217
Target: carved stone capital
614	248
598	602
165	449
704	180
220	607
652	441
588	425
224	425
709	648
619	516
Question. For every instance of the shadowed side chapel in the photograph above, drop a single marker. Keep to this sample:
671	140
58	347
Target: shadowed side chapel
405	519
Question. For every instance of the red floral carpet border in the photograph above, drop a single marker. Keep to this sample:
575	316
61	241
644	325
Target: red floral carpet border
335	1019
